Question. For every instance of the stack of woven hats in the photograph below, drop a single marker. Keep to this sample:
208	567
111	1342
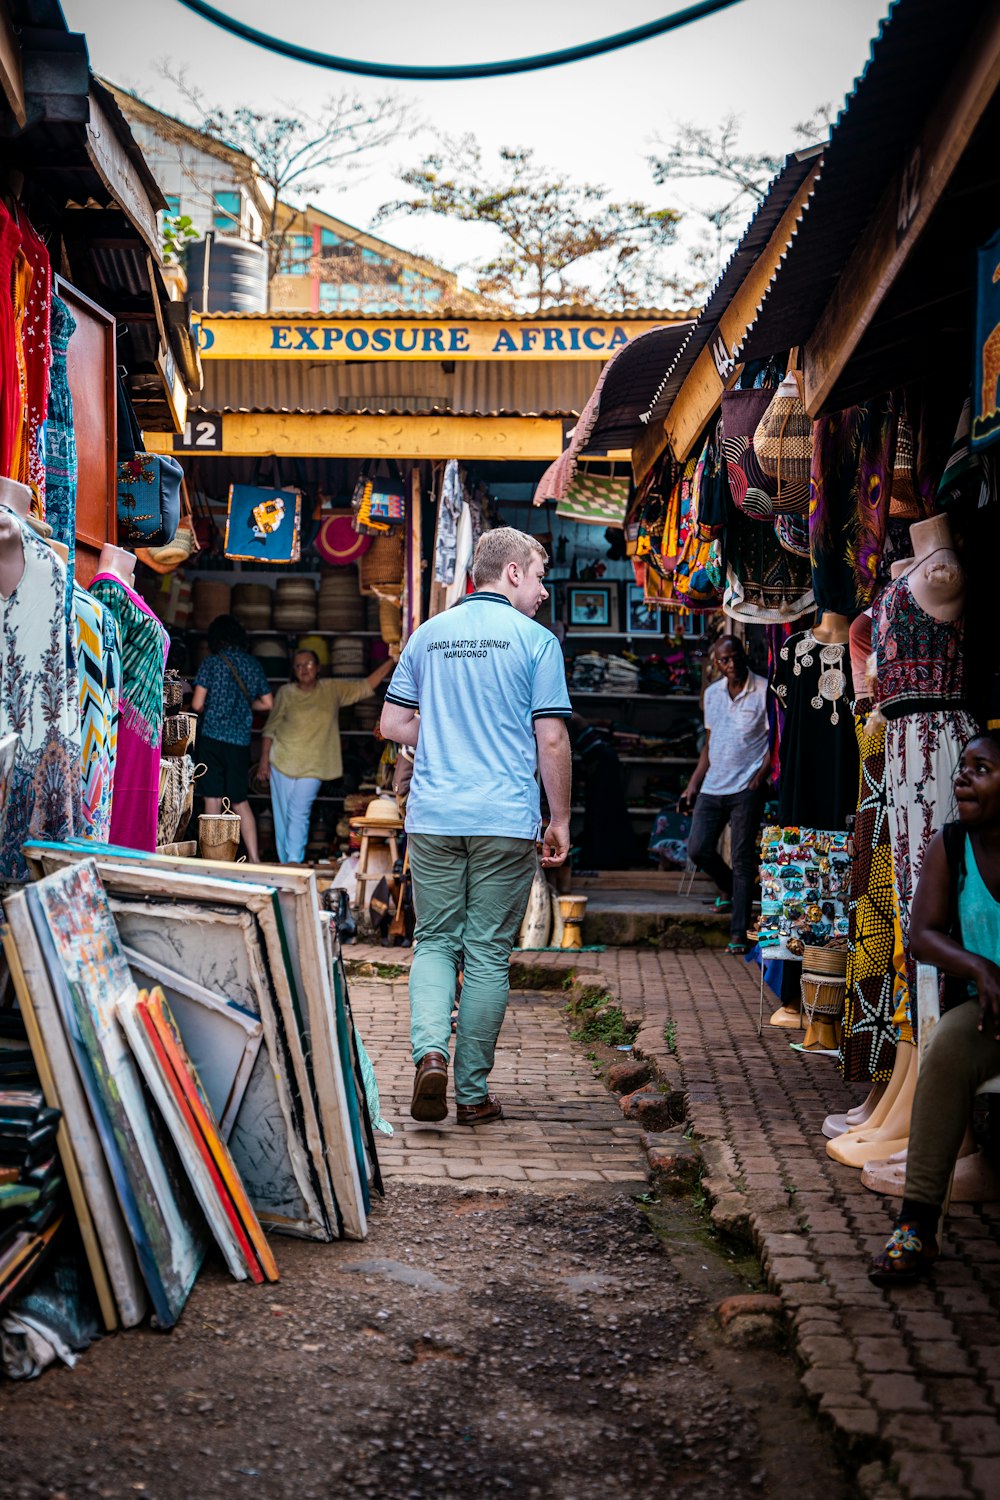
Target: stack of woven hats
294	604
251	605
348	657
208	600
272	653
340	604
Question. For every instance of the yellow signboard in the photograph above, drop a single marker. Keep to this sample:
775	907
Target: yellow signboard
291	337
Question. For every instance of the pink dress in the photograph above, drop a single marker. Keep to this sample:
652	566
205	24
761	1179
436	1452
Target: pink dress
136	795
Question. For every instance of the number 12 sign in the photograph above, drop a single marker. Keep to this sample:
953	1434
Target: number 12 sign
200	435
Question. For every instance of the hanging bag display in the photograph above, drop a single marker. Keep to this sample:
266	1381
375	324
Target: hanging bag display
783	439
595	499
753	490
148	484
183	545
263	525
381	568
379	501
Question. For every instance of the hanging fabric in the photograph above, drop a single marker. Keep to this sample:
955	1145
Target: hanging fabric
754	492
37	356
263	525
595	499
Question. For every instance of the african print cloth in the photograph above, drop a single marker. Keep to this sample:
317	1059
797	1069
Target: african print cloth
140	713
868	1046
595	499
449	510
849	488
98	651
38	703
921	752
804	886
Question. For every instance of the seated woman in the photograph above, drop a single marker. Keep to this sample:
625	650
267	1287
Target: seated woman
955	925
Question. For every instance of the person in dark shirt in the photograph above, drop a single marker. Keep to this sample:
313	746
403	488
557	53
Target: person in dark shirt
230	684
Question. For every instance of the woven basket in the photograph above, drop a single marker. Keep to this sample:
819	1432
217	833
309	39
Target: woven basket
390	621
826	961
178	734
782	441
208	600
219	834
382	564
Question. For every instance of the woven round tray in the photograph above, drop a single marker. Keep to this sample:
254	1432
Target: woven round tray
831	961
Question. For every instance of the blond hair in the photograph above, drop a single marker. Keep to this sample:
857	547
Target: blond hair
503	545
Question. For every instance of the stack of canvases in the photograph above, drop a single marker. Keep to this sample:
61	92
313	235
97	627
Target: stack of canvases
225	995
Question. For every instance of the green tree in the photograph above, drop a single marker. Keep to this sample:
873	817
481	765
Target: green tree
551	230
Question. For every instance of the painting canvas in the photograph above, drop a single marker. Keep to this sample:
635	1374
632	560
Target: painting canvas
107	1244
222	1039
221	951
298	934
162	1032
83	953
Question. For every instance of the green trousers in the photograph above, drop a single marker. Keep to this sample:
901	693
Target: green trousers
470	896
959	1057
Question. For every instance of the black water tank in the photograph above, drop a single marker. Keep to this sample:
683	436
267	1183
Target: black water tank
237	274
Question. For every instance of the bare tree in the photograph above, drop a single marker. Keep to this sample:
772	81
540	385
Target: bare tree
549	227
714	157
297	152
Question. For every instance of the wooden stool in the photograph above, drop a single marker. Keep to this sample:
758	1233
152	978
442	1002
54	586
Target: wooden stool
378	854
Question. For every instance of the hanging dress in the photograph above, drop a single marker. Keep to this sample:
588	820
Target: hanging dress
144	644
819	752
10	385
36	334
60	438
39	703
921	671
98	652
21	290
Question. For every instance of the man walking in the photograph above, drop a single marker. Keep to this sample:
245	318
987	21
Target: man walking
730	783
490	688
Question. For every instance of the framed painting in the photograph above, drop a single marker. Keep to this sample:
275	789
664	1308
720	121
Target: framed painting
82	952
640	618
592	607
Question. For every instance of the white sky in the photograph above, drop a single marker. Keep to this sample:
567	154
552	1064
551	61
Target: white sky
771	61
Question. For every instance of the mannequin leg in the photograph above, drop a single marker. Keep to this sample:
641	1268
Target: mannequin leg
889	1126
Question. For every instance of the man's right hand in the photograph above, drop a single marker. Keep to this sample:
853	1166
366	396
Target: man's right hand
555	844
685	801
264	769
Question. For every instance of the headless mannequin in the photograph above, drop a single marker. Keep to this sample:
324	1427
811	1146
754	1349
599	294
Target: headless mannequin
832	629
117	561
936	579
937	583
17	498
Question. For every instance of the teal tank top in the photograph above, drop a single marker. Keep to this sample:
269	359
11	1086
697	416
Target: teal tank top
979	913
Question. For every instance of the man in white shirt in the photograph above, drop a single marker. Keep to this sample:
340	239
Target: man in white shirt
730	783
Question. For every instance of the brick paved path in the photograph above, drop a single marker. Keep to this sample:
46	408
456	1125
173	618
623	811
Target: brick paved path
560	1124
910	1378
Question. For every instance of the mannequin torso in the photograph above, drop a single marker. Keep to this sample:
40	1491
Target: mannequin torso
832	629
936	580
14	502
117	561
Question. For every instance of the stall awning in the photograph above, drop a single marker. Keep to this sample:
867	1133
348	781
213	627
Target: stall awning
693	383
876	163
612	418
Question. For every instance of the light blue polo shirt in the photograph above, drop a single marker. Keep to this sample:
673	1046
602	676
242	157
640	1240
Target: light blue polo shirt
480	674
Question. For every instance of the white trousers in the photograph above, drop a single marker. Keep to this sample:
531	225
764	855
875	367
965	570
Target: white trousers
292	798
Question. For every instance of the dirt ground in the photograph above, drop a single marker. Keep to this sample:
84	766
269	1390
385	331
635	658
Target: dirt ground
477	1345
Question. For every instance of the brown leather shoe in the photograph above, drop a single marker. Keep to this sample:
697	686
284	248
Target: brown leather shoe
487	1109
430	1088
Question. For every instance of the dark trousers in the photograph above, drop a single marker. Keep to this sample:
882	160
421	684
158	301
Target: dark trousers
711	814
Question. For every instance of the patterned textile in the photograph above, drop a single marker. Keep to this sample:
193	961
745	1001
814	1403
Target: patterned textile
10	388
23	276
37	355
810	679
868	1047
849	487
227	714
753	491
140	720
39	703
98	649
765	584
595	499
144	653
449	510
921	751
920	659
60	440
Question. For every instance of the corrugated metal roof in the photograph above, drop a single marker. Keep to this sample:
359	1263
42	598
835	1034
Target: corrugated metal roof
755	237
573	312
611	417
917	46
472	388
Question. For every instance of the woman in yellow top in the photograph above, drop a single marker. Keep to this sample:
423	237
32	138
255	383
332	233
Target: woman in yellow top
301	745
